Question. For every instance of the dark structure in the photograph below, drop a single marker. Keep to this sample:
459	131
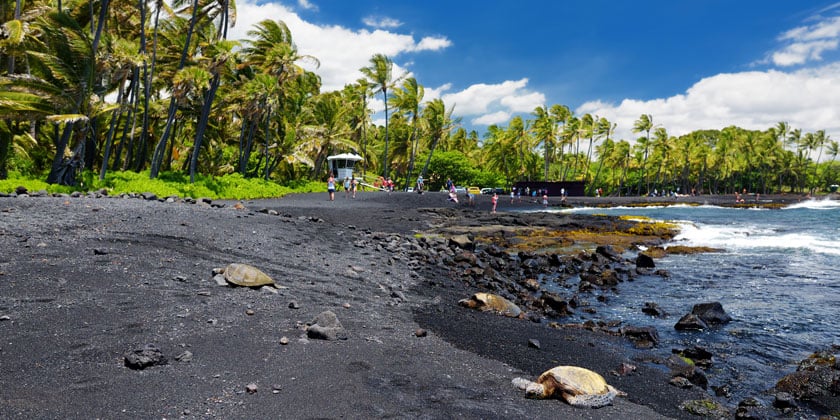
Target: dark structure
573	188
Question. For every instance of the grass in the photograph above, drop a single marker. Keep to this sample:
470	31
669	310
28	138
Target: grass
232	186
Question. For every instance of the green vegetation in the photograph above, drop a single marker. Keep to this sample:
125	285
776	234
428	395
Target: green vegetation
101	94
232	186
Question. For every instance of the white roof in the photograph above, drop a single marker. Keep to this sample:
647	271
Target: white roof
346	156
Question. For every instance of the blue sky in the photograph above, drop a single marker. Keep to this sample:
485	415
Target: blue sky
690	64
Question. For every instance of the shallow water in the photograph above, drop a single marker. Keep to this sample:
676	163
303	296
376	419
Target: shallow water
778	278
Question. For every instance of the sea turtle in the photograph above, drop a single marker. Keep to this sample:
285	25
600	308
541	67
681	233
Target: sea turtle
577	386
491	303
245	275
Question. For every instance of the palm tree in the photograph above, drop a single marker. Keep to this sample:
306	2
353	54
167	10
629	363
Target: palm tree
644	123
408	100
380	74
157	158
439	123
363	89
544	129
219	53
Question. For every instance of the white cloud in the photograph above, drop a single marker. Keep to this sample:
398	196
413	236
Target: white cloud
381	22
307	5
341	51
499	117
808	43
808	99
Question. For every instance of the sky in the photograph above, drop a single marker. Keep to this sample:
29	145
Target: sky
690	65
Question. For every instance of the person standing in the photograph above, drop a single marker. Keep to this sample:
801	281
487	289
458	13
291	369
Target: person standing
420	184
494	200
331	187
346	186
354	184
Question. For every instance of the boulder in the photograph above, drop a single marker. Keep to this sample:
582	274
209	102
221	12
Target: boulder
711	313
702	316
816	380
147	356
608	252
690	322
642	337
462	241
644	261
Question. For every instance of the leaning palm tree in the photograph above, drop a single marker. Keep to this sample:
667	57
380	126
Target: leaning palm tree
438	123
380	73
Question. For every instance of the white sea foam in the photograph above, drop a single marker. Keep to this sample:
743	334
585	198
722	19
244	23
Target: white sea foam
824	204
753	237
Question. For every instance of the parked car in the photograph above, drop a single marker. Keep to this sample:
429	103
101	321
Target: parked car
492	190
474	190
460	190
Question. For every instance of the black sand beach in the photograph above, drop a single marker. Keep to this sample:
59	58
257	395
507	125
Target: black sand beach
84	281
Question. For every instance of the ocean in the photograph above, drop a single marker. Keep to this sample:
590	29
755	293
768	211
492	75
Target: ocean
778	278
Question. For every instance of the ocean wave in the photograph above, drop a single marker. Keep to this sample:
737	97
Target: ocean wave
754	237
825	204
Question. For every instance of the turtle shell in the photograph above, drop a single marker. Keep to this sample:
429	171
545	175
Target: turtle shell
246	275
578	386
492	303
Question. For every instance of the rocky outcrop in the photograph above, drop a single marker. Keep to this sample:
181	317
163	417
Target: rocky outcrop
816	382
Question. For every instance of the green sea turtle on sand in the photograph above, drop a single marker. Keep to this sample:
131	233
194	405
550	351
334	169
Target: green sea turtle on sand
245	275
577	386
491	303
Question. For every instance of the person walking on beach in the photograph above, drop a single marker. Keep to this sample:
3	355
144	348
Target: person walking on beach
331	187
346	187
354	184
420	184
545	199
494	200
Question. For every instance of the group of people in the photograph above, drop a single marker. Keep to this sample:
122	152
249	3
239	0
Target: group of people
350	186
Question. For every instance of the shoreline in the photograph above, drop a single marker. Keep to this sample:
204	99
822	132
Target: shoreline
77	270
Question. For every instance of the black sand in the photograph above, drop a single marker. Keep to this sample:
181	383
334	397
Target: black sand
83	281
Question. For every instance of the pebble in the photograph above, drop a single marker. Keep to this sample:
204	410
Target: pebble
284	340
420	332
186	356
251	388
249	312
294	305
